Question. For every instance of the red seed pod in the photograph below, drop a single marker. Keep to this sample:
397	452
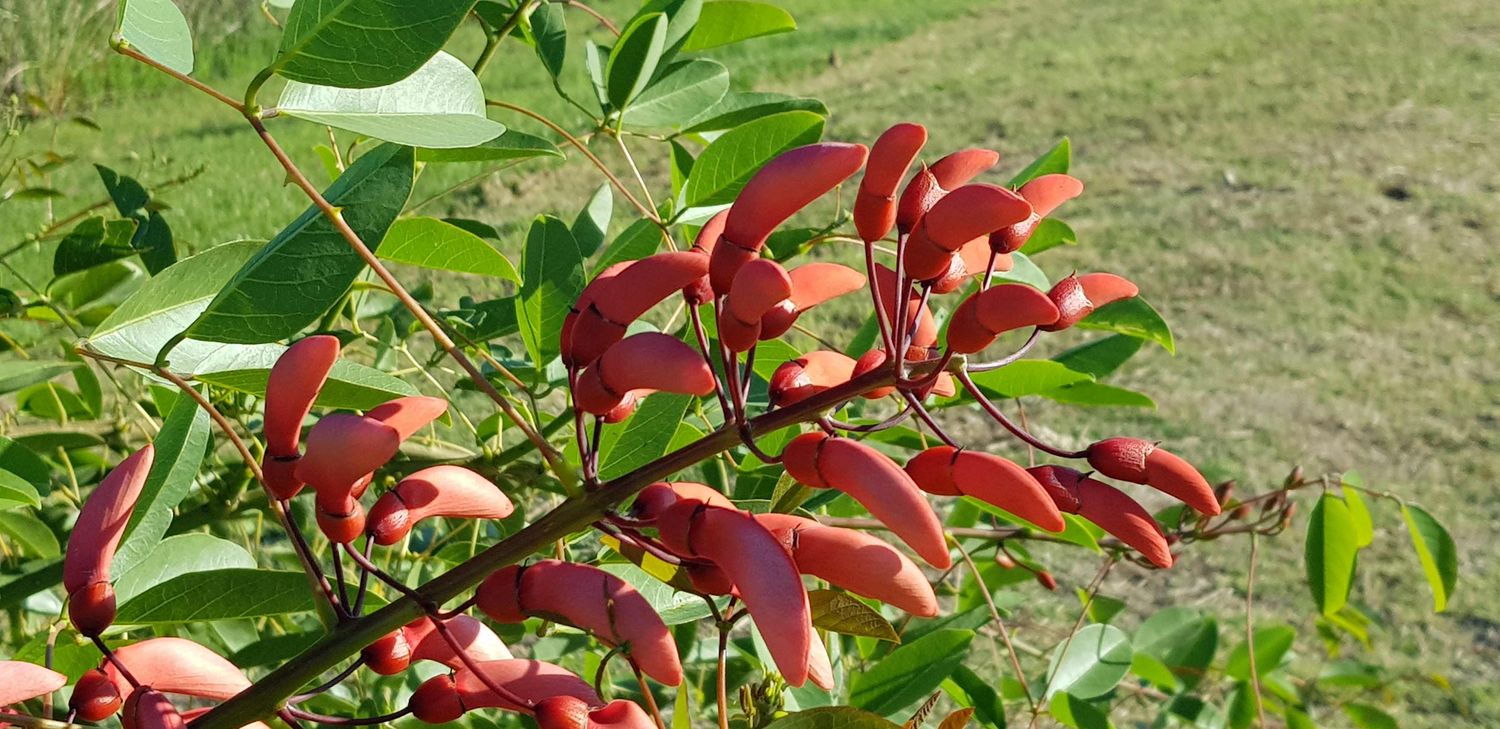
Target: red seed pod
616	301
655	499
961	216
777	191
808	375
407	415
970	260
530	681
176	666
22	681
700	292
854	560
1109	507
617	714
867	362
1045	579
931	183
584	301
983	317
291	388
926	328
1138	461
562	712
876	482
1060	483
948	471
93	540
149	709
590	599
95	697
890	157
645	361
758	566
1078	296
436	701
812	284
1044	194
389	655
343	448
446	491
758	287
476	639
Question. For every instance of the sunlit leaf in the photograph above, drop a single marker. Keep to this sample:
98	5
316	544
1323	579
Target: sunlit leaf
1436	551
158	30
360	44
219	594
1090	662
730	21
727	164
1053	161
432	243
1330	553
836	611
440	105
910	672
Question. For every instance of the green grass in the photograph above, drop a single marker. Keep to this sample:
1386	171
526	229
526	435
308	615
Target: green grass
1307	190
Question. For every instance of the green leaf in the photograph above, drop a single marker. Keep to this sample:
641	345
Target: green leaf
1099	394
595	58
1053	161
432	243
592	223
838	612
158	30
219	595
674	607
361	44
350	385
180	555
1027	377
1073	711
72	654
180	446
1366	716
1364	526
684	91
1090	663
440	106
308	266
1132	317
1182	639
512	145
30	534
730	21
93	242
1436	551
978	694
1024	271
126	193
549	31
645	436
1271	645
632	61
171	301
1153	670
553	277
1049	233
832	717
17	374
19	460
910	672
637	241
729	162
739	107
1102	356
95	288
1330	553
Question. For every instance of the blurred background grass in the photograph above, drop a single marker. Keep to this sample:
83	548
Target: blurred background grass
1307	190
